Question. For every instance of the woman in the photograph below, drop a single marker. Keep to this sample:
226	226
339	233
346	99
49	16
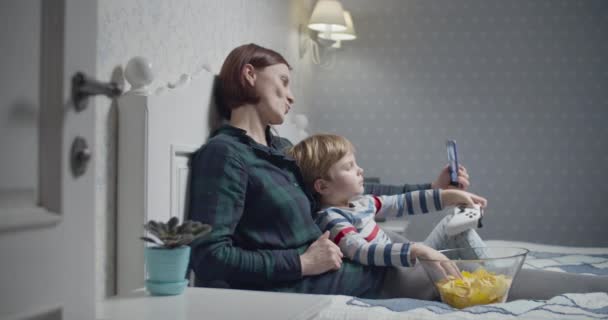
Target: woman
244	185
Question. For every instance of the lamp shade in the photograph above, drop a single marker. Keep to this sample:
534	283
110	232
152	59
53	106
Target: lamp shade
327	16
348	34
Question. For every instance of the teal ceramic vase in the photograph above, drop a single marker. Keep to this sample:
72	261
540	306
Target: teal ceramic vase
166	270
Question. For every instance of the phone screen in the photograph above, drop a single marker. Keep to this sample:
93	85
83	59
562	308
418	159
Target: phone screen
453	161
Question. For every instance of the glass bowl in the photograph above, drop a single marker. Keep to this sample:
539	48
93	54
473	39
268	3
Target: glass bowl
475	276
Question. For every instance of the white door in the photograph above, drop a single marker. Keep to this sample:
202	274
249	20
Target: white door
47	229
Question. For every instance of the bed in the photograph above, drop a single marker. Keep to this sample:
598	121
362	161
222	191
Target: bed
593	261
160	127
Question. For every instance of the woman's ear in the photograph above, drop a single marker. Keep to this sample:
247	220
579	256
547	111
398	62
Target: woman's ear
249	74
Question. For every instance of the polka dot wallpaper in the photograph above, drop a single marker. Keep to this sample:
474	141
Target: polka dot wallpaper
522	86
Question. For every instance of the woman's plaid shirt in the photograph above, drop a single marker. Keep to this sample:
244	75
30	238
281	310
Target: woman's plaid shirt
253	196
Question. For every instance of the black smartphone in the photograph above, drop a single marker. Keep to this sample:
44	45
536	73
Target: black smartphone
453	162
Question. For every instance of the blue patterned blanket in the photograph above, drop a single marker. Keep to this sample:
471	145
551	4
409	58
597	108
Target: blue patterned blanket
542	257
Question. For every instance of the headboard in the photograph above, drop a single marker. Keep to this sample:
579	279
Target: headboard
157	131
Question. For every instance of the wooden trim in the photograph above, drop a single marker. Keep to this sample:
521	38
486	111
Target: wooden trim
28	218
52	40
39	313
20	213
180	156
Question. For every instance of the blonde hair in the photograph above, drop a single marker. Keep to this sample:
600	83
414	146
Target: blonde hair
316	154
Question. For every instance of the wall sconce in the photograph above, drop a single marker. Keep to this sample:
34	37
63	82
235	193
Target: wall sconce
333	25
327	17
339	36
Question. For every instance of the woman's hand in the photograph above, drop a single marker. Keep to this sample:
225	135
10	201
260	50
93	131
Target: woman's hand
440	262
456	198
443	180
322	255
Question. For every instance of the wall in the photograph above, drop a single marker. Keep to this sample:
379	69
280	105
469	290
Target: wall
521	85
20	47
178	37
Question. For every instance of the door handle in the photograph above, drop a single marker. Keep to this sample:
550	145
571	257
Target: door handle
84	86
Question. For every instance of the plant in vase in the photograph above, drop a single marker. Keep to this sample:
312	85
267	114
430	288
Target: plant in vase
167	261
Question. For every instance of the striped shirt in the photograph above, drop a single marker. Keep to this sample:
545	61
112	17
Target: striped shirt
358	235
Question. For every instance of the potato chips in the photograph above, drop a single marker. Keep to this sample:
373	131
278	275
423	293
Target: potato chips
479	287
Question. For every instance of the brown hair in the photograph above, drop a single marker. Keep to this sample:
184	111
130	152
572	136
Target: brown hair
232	89
316	154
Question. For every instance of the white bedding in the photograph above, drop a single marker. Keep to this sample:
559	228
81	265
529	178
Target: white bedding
543	257
582	260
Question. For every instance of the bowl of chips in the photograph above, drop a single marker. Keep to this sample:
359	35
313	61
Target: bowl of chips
474	276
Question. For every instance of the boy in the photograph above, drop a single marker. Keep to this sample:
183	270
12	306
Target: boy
330	171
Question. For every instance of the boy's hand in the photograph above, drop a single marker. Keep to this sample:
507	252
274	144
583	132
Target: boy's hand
443	180
440	261
457	198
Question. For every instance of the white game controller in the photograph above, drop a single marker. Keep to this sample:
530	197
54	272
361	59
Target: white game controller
464	219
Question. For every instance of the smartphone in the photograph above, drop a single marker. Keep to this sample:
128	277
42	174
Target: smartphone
453	162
